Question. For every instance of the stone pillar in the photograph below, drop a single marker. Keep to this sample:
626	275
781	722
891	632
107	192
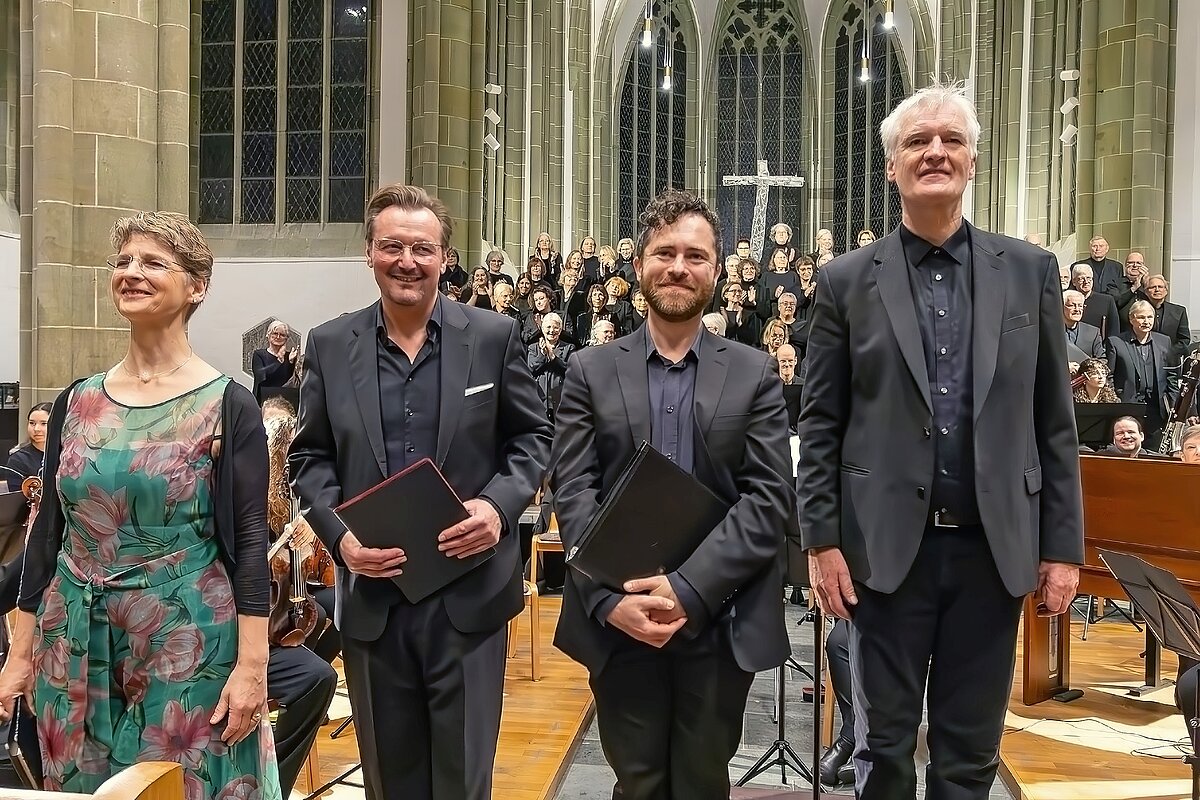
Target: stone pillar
104	133
997	70
579	77
1125	109
546	68
447	132
10	103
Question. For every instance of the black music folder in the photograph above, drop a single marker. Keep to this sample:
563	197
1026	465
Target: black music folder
409	510
652	520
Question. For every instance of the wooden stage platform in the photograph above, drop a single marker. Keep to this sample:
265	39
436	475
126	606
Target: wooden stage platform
1102	746
541	727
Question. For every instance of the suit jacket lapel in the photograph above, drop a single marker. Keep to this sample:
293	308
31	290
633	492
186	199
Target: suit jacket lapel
891	276
364	369
456	372
988	313
635	385
710	378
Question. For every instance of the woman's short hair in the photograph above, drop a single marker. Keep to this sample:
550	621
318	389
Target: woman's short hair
1189	433
781	226
771	325
619	285
717	321
174	232
407	198
626	240
550	315
606	252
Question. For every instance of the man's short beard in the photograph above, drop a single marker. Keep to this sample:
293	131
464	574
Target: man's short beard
674	312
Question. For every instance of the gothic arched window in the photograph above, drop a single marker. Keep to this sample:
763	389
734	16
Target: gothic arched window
862	195
760	116
651	120
300	62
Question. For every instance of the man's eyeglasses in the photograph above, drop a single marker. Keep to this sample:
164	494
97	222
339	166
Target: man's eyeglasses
424	253
120	262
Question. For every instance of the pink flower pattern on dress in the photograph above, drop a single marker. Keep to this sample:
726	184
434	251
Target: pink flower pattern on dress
183	736
140	615
54	611
177	658
57	750
93	412
54	662
243	788
102	516
217	593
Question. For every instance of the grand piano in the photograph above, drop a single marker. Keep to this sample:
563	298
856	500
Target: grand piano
1149	508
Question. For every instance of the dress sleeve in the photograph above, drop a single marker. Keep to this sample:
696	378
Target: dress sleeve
245	444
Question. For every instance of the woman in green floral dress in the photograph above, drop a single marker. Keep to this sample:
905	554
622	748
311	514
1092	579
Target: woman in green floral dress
147	563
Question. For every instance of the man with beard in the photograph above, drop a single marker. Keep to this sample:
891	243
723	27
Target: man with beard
671	657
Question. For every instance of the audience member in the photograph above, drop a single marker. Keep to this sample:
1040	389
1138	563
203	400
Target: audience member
742	249
615	289
573	292
1099	309
824	243
779	278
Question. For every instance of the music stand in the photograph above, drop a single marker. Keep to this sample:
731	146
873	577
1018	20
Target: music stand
1172	616
1094	421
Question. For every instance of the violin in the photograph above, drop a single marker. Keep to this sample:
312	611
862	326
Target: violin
31	487
296	559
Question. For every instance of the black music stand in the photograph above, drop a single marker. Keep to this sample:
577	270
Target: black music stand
1171	615
1094	421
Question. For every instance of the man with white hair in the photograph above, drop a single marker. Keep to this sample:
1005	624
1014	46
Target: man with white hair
937	494
1099	308
1107	272
1140	361
1083	340
603	332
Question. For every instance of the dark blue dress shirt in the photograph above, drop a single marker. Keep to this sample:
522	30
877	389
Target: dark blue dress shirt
941	282
410	394
672	396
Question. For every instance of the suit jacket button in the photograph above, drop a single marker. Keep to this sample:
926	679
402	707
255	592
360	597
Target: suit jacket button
921	492
927	432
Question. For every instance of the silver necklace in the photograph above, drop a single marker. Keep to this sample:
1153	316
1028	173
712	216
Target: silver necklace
146	377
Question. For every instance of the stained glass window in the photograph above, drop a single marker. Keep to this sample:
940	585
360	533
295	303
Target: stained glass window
760	116
862	195
296	66
652	121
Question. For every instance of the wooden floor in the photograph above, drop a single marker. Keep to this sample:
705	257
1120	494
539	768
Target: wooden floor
539	731
1102	746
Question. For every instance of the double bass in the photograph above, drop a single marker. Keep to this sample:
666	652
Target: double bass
297	558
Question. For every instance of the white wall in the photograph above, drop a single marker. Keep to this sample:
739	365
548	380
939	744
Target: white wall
301	293
10	306
1185	171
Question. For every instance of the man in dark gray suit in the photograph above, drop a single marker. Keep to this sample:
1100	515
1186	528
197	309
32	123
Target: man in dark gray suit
418	376
1083	340
1139	362
939	477
672	656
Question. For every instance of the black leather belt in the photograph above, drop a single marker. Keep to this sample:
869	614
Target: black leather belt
944	519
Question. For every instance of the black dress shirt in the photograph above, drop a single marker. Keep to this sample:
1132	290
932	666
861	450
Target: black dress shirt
672	396
27	461
410	394
941	282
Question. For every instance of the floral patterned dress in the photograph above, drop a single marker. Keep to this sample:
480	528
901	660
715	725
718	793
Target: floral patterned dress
137	633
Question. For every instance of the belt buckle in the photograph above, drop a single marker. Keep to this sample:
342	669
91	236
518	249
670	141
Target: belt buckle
937	520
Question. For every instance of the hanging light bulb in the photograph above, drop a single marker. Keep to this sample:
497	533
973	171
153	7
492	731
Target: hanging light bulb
666	84
864	74
647	33
889	16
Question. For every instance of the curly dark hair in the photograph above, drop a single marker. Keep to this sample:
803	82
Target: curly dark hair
666	209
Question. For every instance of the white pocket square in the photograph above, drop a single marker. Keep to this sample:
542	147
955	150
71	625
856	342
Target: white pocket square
477	389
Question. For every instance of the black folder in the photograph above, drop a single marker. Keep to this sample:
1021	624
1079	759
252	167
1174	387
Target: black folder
652	520
409	510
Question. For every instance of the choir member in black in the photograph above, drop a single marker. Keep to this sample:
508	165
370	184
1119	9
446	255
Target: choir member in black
537	272
865	237
797	327
756	298
521	302
542	303
625	262
615	290
733	274
603	332
742	248
780	277
274	364
495	265
608	263
741	324
781	242
480	293
597	310
824	242
591	261
26	460
572	298
552	261
640	305
453	275
714	323
547	359
503	299
774	335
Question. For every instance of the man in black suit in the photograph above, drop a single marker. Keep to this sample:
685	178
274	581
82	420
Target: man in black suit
416	376
942	487
1106	271
1139	362
1170	319
671	657
1083	340
1099	308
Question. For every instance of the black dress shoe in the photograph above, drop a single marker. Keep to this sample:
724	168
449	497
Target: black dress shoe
835	758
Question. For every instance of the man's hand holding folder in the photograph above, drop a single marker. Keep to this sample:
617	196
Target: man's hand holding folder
374	562
473	535
653	617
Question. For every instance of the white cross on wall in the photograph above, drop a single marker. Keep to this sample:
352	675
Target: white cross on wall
764	181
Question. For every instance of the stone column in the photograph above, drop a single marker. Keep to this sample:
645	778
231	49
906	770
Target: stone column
10	103
104	133
1125	110
447	81
997	71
